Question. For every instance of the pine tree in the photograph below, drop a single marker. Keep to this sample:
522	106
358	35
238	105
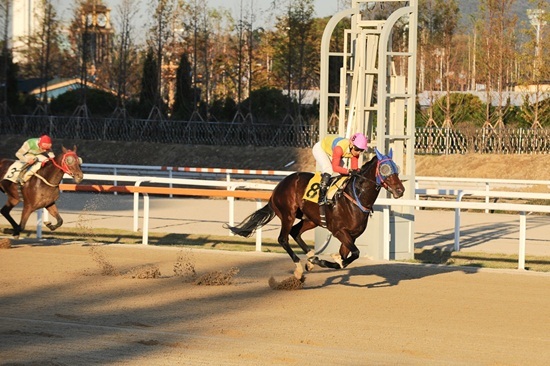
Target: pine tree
185	97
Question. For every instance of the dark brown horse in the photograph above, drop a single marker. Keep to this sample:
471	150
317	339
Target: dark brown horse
41	190
346	216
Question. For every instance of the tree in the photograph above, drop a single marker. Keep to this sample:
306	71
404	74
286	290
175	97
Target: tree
148	96
124	64
9	99
536	70
296	56
497	52
447	15
161	33
437	22
185	94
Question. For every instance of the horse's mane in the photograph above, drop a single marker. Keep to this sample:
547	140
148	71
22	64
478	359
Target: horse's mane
367	165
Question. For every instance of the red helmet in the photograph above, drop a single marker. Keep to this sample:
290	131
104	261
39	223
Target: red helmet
45	142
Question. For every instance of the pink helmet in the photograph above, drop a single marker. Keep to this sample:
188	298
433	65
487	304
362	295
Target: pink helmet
359	141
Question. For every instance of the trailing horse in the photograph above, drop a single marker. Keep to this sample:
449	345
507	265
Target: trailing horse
40	191
346	217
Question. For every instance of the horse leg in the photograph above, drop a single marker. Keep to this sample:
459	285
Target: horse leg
6	213
324	263
296	233
283	241
343	258
348	253
52	209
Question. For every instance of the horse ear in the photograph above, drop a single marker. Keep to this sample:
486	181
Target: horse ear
390	154
74	148
63	149
378	154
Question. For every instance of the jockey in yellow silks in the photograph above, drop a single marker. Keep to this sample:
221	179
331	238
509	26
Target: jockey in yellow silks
329	154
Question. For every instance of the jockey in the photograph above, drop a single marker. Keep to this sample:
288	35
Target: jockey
329	154
33	150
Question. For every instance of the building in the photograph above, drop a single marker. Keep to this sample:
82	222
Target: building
25	15
94	29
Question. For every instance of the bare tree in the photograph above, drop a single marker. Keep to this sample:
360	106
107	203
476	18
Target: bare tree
535	62
125	59
5	9
497	37
447	10
161	33
295	54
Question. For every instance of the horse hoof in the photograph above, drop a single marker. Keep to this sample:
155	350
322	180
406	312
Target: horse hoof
309	266
312	261
338	259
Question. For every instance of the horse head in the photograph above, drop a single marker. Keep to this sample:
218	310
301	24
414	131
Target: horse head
70	164
387	174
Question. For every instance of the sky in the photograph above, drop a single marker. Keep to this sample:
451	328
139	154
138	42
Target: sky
323	8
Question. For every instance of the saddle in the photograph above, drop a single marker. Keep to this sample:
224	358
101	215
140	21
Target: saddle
336	184
12	174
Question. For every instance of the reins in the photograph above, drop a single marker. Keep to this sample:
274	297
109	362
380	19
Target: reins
45	180
355	199
63	167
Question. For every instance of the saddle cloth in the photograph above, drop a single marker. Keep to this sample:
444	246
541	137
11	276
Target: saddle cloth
312	189
13	171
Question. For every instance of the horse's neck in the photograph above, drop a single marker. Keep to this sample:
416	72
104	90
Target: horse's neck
365	189
51	173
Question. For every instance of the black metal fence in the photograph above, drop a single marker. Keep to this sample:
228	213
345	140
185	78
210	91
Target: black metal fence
482	140
163	131
427	140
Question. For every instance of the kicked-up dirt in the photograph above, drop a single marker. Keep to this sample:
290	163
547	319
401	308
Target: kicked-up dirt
60	306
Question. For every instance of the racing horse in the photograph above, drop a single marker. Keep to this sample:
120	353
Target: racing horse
40	191
346	217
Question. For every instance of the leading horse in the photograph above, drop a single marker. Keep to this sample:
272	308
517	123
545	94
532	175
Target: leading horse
346	217
41	190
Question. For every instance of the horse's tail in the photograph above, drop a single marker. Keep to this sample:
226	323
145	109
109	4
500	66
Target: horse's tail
253	222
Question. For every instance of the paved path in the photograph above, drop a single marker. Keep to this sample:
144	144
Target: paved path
433	228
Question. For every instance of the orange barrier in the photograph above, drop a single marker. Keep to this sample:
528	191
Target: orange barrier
165	191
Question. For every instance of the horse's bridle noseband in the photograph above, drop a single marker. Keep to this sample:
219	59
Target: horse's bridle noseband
64	167
380	182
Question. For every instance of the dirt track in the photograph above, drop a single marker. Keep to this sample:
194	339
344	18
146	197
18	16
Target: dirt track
57	309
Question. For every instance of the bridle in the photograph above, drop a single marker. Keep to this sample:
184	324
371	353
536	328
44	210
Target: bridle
380	182
390	168
64	167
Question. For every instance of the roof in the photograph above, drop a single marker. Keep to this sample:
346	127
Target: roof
59	86
516	98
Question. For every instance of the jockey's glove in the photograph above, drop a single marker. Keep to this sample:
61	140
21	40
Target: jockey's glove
354	172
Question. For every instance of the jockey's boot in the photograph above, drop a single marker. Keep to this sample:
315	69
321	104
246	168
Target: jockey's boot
22	172
323	188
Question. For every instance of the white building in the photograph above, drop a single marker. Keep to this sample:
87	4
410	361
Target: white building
24	22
